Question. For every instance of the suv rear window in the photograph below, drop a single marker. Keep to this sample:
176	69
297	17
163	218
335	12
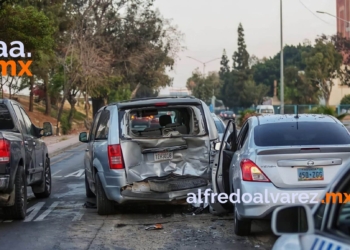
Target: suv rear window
6	121
301	133
176	120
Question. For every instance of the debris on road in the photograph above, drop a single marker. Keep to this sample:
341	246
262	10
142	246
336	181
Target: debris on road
197	209
120	225
90	205
154	227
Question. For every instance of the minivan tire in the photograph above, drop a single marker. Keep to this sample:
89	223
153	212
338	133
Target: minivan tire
18	210
242	227
104	205
89	193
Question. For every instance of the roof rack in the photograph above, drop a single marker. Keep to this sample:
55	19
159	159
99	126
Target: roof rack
152	98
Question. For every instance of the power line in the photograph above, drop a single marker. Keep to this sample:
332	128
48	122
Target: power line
314	13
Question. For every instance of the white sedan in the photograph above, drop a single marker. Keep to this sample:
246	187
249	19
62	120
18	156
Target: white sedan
324	227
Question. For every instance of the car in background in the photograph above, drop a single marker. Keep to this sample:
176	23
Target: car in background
278	153
227	115
325	226
265	109
127	164
220	125
139	122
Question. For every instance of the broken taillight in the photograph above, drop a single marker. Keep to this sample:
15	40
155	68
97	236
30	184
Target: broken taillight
4	151
115	157
251	172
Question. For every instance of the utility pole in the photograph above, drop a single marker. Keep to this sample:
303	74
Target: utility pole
281	67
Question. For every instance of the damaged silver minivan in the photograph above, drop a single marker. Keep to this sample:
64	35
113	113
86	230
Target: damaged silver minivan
157	149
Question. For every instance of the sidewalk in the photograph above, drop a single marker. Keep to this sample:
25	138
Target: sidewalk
57	144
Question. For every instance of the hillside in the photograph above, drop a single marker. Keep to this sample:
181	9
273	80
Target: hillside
38	116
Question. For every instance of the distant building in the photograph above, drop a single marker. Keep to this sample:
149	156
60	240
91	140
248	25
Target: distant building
343	17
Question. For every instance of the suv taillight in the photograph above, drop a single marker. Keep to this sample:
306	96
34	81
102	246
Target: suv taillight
115	157
4	151
251	172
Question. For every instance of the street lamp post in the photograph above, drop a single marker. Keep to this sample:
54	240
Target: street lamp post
326	13
282	65
204	64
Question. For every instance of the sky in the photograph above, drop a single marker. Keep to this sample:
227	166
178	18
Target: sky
209	27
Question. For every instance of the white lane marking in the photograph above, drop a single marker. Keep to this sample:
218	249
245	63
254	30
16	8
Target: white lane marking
36	208
49	210
80	213
6	221
82	177
76	173
57	172
53	163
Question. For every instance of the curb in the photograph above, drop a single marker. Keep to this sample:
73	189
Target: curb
59	151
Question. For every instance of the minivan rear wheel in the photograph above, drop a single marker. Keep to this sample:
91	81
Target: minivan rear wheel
242	227
104	205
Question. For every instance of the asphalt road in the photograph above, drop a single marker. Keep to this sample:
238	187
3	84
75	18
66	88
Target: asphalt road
62	222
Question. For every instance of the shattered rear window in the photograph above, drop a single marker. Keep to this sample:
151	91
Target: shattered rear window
165	121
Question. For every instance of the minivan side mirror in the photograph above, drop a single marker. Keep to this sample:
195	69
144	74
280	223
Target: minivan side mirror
47	129
292	220
83	137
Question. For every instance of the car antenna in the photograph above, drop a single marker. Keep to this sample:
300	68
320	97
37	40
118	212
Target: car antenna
297	114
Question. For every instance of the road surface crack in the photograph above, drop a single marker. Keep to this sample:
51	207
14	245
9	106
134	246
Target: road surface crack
98	230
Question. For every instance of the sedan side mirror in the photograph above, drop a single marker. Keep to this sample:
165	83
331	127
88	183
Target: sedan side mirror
83	137
292	220
47	128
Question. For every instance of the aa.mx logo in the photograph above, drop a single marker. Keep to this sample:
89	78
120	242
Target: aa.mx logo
16	51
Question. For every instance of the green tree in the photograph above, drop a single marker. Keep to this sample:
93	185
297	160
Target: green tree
241	56
204	87
233	84
345	100
299	89
253	93
225	68
268	70
323	64
145	91
30	26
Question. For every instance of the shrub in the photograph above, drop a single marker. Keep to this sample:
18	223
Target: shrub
65	125
327	110
245	114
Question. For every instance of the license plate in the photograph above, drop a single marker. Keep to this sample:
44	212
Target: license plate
310	174
163	156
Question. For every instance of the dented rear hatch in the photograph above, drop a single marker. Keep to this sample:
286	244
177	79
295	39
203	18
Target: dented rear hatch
175	145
